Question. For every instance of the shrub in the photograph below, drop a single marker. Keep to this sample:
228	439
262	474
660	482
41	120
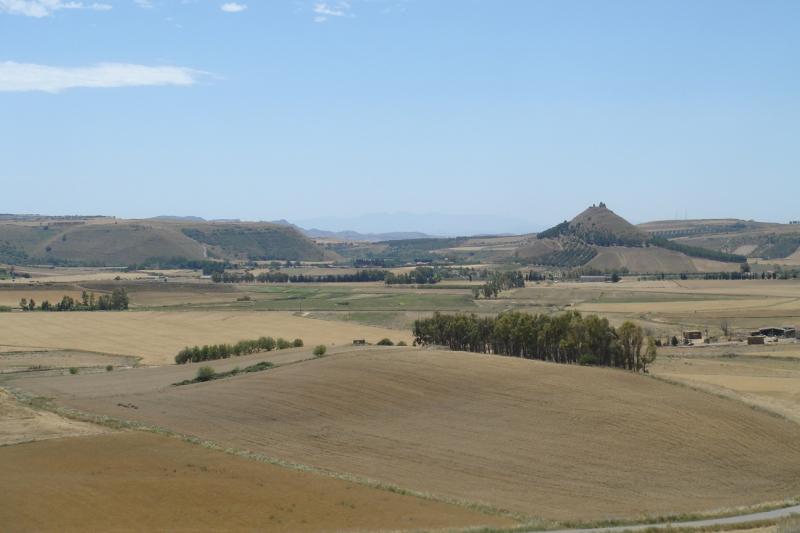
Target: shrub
205	373
320	350
74	370
385	342
297	343
109	368
402	343
283	343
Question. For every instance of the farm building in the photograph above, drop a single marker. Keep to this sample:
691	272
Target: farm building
777	331
590	279
755	339
692	334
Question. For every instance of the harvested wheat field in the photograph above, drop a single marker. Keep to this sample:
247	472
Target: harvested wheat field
138	481
157	336
772	383
19	423
551	441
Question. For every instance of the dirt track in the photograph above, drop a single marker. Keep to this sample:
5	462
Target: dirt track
548	440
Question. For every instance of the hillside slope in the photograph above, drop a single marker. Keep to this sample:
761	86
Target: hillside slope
537	438
116	242
601	226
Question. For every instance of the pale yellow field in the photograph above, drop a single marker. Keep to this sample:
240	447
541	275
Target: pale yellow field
23	424
157	336
767	382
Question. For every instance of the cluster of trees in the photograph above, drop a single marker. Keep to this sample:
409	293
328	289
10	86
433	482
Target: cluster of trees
224	351
500	281
555	231
422	275
696	251
283	277
569	338
118	300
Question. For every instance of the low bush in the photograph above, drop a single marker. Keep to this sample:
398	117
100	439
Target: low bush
385	342
74	370
258	367
205	373
109	368
320	350
402	343
283	343
297	343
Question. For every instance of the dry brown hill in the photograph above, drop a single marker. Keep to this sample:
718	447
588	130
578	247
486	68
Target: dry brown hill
555	441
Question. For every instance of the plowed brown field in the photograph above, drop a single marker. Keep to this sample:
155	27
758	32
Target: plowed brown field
554	441
137	481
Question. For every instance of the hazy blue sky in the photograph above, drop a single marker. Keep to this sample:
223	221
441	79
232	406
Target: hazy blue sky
523	111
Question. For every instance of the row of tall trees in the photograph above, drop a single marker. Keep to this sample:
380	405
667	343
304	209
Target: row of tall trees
569	338
118	300
422	275
282	277
210	352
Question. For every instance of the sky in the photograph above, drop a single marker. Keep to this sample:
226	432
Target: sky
504	115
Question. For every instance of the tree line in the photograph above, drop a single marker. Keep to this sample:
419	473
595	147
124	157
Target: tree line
422	275
696	251
569	338
118	300
210	352
283	277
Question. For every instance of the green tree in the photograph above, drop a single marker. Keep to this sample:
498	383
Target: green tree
650	354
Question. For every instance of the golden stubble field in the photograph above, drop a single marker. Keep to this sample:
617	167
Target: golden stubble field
138	481
156	336
546	440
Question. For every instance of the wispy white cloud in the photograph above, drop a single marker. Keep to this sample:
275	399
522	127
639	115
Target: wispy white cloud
25	77
324	10
233	7
144	4
44	8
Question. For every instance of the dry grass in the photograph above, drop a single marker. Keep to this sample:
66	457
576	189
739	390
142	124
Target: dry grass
559	442
157	336
20	361
772	384
136	481
22	424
